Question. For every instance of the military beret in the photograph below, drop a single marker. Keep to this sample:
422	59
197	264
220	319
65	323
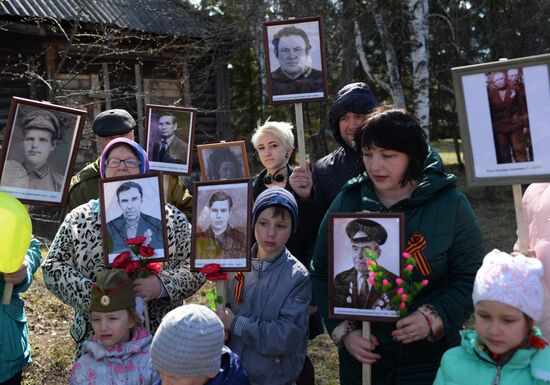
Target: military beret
112	291
41	120
113	122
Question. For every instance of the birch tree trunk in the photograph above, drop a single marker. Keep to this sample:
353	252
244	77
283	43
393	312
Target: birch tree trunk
393	83
418	10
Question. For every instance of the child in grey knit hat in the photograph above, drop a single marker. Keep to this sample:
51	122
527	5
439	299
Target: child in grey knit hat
188	349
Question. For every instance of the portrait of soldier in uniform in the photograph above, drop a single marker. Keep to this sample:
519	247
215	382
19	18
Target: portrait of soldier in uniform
351	286
219	239
40	135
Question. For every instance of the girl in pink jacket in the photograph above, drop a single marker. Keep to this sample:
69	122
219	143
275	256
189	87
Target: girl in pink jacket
118	354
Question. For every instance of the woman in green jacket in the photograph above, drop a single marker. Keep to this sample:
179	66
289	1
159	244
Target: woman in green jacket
404	175
15	351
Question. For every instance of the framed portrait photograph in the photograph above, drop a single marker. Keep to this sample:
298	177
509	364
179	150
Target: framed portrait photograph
169	138
221	224
222	161
39	150
355	238
503	110
132	212
295	60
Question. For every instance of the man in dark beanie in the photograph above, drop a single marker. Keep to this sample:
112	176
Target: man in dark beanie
109	125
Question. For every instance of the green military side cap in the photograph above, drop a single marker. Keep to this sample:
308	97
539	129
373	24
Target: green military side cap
112	291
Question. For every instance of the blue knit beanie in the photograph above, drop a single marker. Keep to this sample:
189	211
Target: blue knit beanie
276	196
136	148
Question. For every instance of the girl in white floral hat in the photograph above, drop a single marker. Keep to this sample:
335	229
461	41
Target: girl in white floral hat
505	346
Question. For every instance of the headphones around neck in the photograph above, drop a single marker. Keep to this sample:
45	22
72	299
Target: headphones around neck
268	178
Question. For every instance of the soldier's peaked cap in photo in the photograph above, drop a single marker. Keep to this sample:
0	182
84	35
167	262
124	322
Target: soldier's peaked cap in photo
42	120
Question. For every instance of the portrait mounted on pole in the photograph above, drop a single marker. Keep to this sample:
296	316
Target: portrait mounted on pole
365	260
503	110
295	60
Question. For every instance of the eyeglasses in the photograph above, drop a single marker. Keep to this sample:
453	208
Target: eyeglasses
130	163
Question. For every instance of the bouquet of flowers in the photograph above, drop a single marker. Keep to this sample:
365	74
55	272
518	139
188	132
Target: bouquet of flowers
402	291
136	260
213	273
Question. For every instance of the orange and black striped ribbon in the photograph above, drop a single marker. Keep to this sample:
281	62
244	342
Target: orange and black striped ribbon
239	287
416	244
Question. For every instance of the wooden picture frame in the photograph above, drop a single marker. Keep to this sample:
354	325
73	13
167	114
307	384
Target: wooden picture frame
383	233
39	150
223	161
169	136
503	108
222	208
299	74
134	198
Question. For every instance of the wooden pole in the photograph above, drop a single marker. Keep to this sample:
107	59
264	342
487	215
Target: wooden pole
8	288
366	367
300	133
522	231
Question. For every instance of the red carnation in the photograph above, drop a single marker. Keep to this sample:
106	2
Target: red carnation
155	267
121	260
210	268
135	241
132	267
146	251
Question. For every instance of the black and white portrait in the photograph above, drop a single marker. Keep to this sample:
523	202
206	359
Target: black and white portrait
40	148
295	60
133	207
170	138
353	238
221	224
222	161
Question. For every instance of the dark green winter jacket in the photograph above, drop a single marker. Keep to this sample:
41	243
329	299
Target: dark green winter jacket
454	252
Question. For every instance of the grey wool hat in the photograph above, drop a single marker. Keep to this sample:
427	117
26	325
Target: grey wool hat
188	342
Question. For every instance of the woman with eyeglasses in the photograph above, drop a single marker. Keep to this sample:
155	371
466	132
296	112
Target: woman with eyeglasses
76	254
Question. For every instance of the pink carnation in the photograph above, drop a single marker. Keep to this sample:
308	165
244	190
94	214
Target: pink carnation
372	274
400	290
385	282
404	297
402	305
371	263
399	281
370	281
409	267
406	255
425	282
